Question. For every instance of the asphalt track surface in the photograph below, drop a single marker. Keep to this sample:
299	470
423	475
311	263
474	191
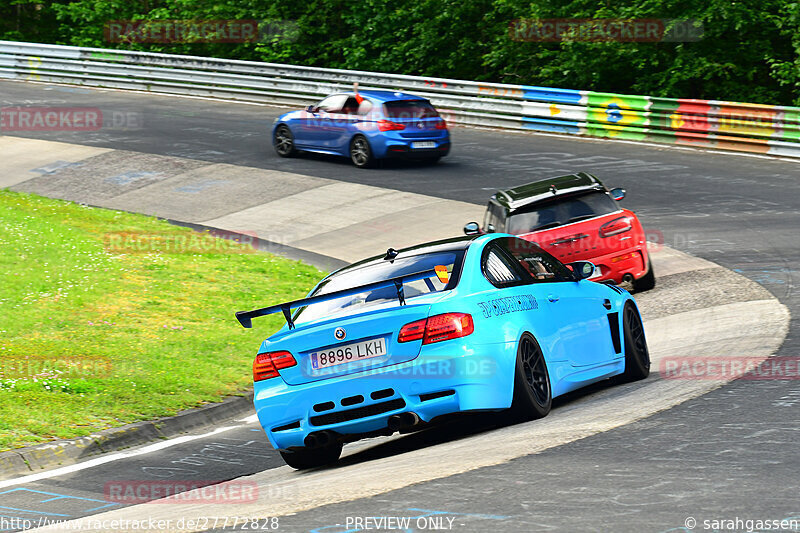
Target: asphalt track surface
728	454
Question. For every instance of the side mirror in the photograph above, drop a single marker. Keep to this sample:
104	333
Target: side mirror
617	193
471	228
312	109
582	269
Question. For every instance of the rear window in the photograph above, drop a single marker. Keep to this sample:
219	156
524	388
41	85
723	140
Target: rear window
378	272
561	211
411	109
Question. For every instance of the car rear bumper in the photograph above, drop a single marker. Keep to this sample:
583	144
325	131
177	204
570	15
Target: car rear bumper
396	145
614	267
405	151
429	386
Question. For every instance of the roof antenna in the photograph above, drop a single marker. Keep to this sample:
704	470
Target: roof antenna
391	253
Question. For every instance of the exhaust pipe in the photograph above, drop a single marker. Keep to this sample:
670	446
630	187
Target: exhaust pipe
627	278
395	422
323	438
410	419
402	421
319	439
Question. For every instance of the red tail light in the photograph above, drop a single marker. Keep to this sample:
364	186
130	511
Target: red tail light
387	125
441	125
267	364
437	328
615	227
413	331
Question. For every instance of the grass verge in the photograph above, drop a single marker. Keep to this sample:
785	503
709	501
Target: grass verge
108	318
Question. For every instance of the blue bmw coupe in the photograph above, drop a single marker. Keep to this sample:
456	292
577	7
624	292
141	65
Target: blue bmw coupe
365	126
478	323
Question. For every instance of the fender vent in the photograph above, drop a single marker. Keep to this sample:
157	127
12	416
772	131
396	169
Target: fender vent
434	395
359	412
381	394
293	425
324	406
352	400
613	324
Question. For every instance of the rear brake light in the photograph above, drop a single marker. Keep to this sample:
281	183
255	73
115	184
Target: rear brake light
623	257
267	364
441	125
615	227
448	326
412	331
387	125
437	328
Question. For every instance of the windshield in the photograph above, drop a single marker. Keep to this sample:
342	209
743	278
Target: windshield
412	109
378	272
561	211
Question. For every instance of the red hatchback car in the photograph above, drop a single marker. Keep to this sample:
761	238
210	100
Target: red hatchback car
575	218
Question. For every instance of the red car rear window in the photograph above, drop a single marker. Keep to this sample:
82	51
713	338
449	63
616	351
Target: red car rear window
561	211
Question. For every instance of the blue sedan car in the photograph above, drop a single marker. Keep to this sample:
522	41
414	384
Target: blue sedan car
489	322
365	126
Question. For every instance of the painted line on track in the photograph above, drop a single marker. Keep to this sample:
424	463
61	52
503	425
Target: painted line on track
148	448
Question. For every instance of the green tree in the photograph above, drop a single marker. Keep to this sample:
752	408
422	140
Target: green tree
750	50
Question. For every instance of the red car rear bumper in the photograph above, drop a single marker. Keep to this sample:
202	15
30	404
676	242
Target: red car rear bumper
615	266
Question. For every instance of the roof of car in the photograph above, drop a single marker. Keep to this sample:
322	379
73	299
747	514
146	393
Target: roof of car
446	245
385	96
547	188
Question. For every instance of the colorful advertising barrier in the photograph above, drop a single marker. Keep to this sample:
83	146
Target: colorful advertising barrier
706	124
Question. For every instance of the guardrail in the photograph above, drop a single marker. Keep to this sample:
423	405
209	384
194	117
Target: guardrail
702	123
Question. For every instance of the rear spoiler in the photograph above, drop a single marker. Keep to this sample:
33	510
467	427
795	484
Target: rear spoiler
245	318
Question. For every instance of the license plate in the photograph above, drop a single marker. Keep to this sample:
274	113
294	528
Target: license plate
423	144
347	353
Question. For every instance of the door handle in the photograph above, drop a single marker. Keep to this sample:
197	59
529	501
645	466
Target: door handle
552	298
607	304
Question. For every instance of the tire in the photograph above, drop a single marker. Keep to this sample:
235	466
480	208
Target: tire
283	141
637	356
646	282
303	458
533	395
360	152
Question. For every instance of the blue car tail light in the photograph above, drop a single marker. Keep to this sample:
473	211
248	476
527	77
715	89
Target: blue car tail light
437	328
267	365
388	125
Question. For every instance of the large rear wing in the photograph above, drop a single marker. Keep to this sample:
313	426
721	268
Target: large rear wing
245	318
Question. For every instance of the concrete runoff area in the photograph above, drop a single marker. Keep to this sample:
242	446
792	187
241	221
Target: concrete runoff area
347	221
23	161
